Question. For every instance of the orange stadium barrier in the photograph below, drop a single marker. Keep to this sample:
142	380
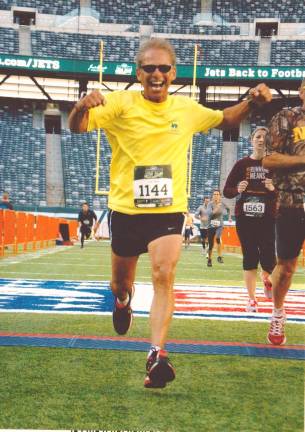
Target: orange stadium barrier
73	225
229	238
21	231
1	233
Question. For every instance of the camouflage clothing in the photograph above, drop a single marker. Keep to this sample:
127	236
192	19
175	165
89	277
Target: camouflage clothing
287	136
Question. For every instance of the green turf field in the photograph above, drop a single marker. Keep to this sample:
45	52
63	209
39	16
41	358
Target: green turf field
93	263
53	388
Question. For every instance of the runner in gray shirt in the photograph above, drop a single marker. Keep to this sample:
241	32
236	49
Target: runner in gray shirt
216	211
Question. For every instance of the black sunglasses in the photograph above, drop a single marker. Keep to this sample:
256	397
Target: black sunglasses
150	68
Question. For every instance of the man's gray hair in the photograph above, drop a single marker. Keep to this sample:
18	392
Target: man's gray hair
157	43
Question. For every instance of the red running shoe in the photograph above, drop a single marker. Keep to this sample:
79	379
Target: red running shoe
276	335
159	370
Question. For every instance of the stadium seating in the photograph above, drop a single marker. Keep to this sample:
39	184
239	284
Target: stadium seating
146	11
79	167
207	151
247	10
288	53
60	7
217	52
195	29
243	147
22	155
9	41
119	48
83	46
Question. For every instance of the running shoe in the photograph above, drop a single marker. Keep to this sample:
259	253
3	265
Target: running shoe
267	288
276	335
159	370
122	315
252	306
209	264
151	359
220	259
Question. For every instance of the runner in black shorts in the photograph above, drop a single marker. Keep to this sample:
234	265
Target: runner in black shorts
255	216
131	234
286	158
149	133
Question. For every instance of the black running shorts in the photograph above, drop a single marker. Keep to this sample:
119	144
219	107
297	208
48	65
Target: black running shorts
257	239
290	232
131	234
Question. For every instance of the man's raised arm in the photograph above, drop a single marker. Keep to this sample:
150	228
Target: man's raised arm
232	116
283	161
79	116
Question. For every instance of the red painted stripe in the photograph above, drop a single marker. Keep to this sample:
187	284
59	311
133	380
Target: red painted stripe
266	309
128	339
231	299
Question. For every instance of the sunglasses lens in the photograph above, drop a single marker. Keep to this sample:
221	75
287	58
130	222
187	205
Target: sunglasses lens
164	68
149	68
152	68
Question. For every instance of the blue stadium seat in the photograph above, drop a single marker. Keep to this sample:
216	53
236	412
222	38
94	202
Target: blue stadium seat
288	53
79	166
84	46
9	41
207	151
248	10
22	155
60	7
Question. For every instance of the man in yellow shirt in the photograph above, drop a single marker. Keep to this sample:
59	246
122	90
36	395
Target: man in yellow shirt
149	133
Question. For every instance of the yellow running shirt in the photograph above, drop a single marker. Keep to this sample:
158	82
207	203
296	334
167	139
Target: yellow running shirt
149	142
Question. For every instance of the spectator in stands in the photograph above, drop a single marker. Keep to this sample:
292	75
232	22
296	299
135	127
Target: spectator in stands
5	202
216	211
86	219
202	214
286	158
255	215
188	230
149	132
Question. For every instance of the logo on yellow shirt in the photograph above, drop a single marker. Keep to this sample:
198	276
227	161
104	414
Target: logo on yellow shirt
174	127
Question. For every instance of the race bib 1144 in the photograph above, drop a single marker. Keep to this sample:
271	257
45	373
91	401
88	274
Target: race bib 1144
153	186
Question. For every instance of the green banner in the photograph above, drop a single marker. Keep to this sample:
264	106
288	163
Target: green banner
57	65
253	72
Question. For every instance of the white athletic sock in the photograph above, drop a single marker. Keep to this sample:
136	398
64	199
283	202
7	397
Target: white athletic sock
123	302
278	312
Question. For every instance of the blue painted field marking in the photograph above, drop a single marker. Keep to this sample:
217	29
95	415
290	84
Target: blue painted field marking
94	297
219	348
